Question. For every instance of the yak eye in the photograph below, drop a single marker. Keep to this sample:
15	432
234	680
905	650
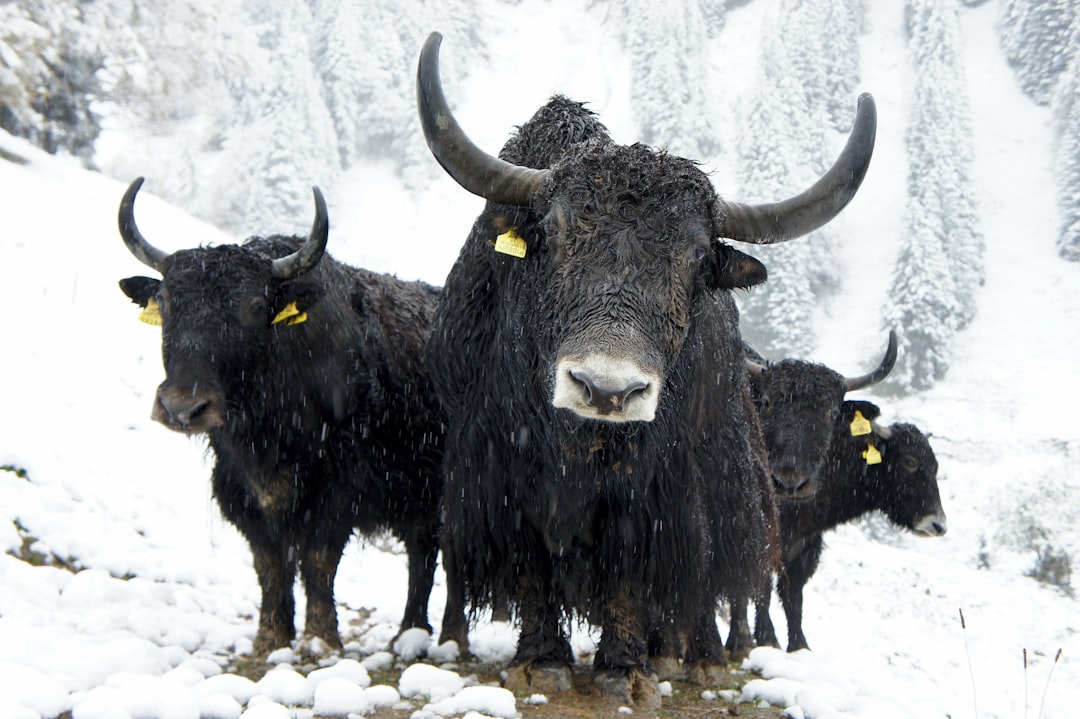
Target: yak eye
909	464
700	253
257	307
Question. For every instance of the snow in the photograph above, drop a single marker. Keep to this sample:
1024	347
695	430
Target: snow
166	597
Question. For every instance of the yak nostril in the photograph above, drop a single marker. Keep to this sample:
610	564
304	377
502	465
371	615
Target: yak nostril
186	416
606	399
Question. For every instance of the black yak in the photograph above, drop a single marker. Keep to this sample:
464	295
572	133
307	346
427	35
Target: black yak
798	403
868	467
308	378
602	454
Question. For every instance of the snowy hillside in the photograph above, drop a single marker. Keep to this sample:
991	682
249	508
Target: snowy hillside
167	592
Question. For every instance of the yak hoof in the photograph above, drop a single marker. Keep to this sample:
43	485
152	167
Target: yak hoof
312	647
667	668
706	674
539	678
268	641
633	688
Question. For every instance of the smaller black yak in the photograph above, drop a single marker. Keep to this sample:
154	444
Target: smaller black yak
798	403
868	467
307	376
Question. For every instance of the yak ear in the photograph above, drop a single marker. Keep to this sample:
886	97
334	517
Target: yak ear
140	289
734	269
869	410
303	294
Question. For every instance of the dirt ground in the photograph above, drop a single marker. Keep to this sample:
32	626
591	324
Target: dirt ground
584	701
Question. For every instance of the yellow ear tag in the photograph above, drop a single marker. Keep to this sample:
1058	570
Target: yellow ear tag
150	314
872	455
860	425
290	315
510	243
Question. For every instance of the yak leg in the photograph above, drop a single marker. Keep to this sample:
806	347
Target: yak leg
318	569
764	632
666	643
454	625
704	656
740	641
275	566
422	550
621	667
543	658
790	588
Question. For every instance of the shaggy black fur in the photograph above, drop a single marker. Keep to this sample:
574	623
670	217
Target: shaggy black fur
317	428
630	526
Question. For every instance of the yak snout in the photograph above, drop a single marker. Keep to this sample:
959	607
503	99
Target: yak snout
605	388
790	483
932	525
191	409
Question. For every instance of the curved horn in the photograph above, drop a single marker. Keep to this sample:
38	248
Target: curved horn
881	372
881	430
312	250
475	170
754	369
785	220
144	252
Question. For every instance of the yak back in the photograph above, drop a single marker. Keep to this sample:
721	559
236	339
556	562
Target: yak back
343	401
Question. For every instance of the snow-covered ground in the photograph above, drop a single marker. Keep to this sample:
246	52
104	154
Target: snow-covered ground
167	595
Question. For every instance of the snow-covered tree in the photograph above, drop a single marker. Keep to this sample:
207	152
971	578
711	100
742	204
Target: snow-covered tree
669	73
922	305
940	265
363	54
777	318
1067	154
1036	36
283	141
826	66
172	80
48	65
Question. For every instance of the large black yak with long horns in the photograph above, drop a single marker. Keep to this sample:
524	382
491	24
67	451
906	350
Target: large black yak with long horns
602	454
308	378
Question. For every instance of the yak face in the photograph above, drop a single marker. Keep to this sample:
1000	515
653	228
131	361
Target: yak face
903	484
910	489
798	403
217	308
629	255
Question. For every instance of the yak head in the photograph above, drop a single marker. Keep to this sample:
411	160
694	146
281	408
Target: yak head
798	403
901	469
218	308
630	238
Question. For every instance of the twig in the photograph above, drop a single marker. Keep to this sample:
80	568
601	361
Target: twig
1042	702
971	669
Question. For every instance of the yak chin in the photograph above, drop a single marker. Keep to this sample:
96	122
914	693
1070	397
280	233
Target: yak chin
606	388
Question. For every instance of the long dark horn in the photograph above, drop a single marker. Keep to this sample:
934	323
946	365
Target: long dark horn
882	371
478	172
785	220
144	252
312	250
